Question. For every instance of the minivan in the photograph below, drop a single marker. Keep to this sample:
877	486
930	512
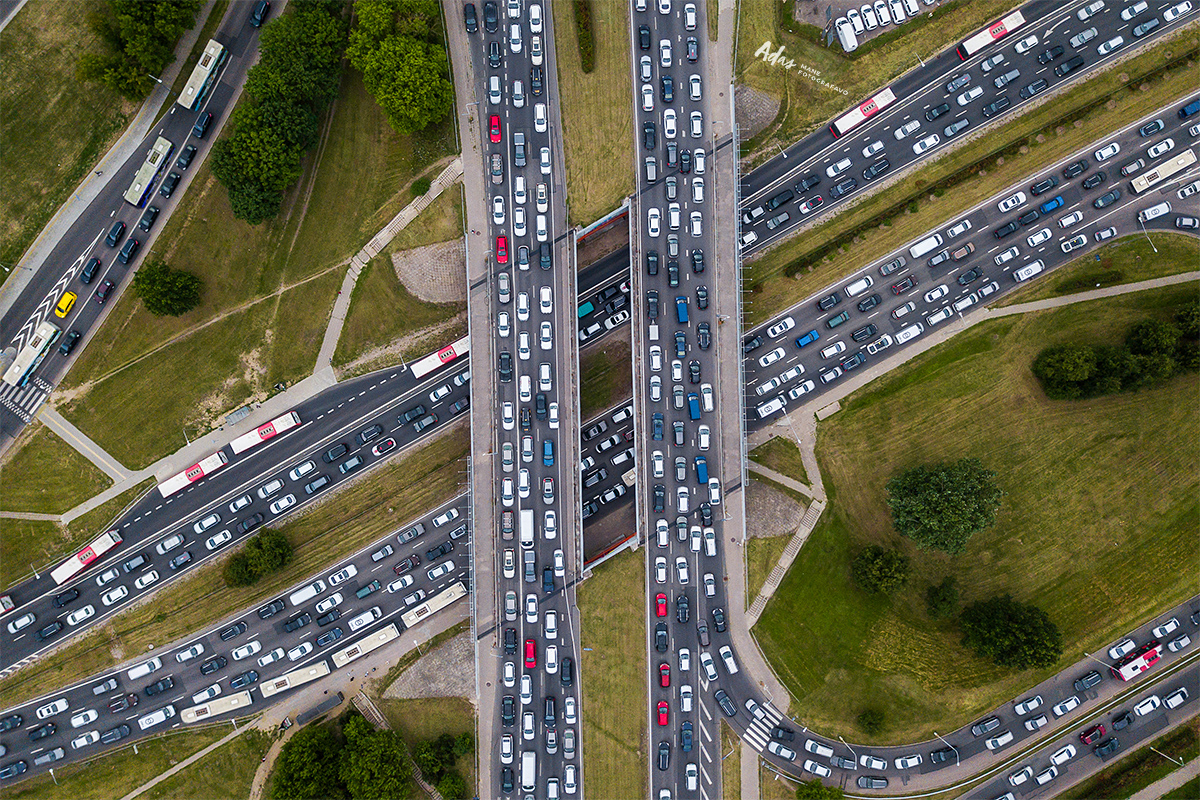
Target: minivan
1028	271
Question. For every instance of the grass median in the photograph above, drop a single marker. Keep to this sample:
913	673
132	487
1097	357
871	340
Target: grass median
46	475
1024	145
376	503
615	741
1099	494
606	377
781	455
596	111
226	773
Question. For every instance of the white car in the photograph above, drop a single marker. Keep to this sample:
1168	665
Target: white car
171	542
646	69
873	148
696	121
670	129
498	210
1179	642
334	600
685	660
924	144
1121	649
1108	151
1007	255
1037	722
1148	705
506	749
660	570
681	570
217	540
536	55
771	357
206	523
246	650
80	614
833	170
519	224
1063	755
654	221
1025	706
817	769
1020	776
1026	44
647	97
703	433
349	571
707	664
544	160
1046	775
1040	237
300	651
936	293
1176	698
1162	147
1161	631
270	658
909	761
910	127
1090	10
969	95
697	190
283	504
296	474
694	88
727	656
881	11
1011	202
1176	11
867	761
84	717
145	579
664	53
508	415
869	19
114	595
539	119
779	328
535	18
1070	219
1065	706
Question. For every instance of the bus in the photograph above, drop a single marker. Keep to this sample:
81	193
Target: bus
76	563
202	75
297	677
861	113
1138	661
143	182
1163	171
365	645
217	707
434	604
992	33
31	354
202	468
441	358
259	435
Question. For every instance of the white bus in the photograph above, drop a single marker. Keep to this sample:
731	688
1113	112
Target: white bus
434	604
259	435
203	467
31	354
365	645
215	708
441	358
1163	171
203	75
143	182
297	677
78	562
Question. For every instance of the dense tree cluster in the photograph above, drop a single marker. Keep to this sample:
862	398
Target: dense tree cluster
361	762
295	80
1010	633
139	38
437	758
942	505
397	46
875	569
1154	351
165	291
267	552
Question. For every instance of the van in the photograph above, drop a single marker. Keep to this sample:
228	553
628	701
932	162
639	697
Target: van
528	770
365	618
701	469
770	407
154	718
859	286
302	596
910	333
681	310
1028	271
144	669
1154	211
694	405
925	245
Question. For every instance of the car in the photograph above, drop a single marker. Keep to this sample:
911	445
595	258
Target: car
1049	55
924	144
1168	627
1093	734
1039	237
985	726
1179	642
159	686
329	637
1176	11
1108	151
1105	749
1107	199
909	761
1160	148
1176	698
1088	681
1035	723
1063	755
1065	706
1083	37
936	111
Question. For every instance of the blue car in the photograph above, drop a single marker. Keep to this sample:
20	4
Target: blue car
1051	204
808	338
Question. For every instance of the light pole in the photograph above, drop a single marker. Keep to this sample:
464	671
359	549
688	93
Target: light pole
156	80
957	762
1146	234
1098	661
848	747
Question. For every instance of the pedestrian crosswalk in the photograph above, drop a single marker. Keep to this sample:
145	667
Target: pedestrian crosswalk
23	401
758	733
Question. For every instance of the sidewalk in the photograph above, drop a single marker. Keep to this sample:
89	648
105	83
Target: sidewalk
1171	782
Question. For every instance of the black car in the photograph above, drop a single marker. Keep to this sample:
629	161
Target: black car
13	769
181	560
250	523
697	261
958	82
1092	181
508	710
535	81
213	664
186	156
1035	88
89	270
867	303
327	619
701	297
271	609
233	631
1051	54
667	85
506	780
616	304
685	162
644	37
936	112
693	372
42	731
1075	169
1008	228
1107	748
169	183
334	453
1043	186
941	755
494	55
672	155
829	301
750	345
692	49
718	615
664	756
1029	217
505	368
414	413
657	427
124	703
1150	128
808	183
649	135
660	495
783	734
878	168
673	274
1122	721
148	218
61	600
854	362
864	333
725	703
491	16
470	19
48	631
408	564
159	686
245	679
439	551
510	641
259	15
298	622
706	514
680	344
991	109
1107	199
11	722
704	335
968	276
127	252
329	637
115	735
1088	681
660	637
843	188
681	608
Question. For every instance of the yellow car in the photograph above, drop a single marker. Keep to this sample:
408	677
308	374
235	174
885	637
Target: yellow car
65	304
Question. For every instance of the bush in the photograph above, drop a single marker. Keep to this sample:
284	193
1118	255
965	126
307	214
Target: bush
941	601
1011	634
267	552
421	186
877	570
815	790
943	505
452	787
870	721
583	28
165	291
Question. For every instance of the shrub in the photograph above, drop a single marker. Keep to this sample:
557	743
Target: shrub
165	291
266	552
870	721
941	601
1011	634
877	570
421	186
583	27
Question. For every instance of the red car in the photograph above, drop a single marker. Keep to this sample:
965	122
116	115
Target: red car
664	675
660	605
502	249
662	713
530	653
1092	734
495	128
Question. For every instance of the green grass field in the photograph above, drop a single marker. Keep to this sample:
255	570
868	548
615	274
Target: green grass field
268	288
227	773
615	742
119	772
605	375
731	764
1127	260
46	475
596	111
781	455
376	503
770	290
56	128
1100	494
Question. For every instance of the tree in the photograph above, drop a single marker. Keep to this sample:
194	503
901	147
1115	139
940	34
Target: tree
464	743
875	569
165	291
239	571
815	790
941	506
270	551
1010	633
140	38
870	721
307	767
427	759
1064	370
407	78
1188	320
1151	337
451	786
373	763
941	600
